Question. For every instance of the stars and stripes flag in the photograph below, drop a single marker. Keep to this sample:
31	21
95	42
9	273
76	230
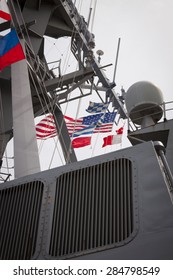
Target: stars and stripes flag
86	125
46	128
90	124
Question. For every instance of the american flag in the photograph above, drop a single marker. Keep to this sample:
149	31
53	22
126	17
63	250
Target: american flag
76	127
46	128
91	123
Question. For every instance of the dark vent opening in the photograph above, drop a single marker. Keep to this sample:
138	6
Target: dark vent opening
19	217
93	208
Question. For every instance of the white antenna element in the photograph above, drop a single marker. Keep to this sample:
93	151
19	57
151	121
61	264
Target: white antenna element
89	17
100	53
116	59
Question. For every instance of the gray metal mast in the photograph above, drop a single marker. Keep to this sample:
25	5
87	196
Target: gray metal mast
56	18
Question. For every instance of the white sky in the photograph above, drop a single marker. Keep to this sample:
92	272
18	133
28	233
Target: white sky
145	29
146	53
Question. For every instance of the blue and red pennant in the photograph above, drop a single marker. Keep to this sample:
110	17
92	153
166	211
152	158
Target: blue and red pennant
10	49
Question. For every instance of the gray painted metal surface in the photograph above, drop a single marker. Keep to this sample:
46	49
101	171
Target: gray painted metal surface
152	208
26	158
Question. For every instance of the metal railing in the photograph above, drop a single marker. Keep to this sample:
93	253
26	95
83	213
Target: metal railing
167	107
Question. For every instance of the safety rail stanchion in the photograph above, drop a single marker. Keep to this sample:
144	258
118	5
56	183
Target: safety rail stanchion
160	150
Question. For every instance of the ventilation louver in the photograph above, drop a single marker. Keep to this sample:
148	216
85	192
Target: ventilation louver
93	208
19	217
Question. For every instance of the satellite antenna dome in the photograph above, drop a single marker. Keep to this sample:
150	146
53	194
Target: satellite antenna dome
144	103
100	52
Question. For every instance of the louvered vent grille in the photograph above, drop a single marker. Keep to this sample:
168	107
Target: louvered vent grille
93	208
19	216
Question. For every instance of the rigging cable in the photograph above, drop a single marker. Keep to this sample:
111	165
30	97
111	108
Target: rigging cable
50	100
60	127
93	18
52	45
3	131
74	77
43	82
77	110
53	154
18	21
1	118
30	71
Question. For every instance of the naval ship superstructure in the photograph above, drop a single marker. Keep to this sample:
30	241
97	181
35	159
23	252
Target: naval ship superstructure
114	206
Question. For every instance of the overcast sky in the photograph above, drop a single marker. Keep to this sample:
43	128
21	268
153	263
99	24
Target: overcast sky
145	29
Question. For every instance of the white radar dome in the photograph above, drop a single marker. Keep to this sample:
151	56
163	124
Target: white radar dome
144	103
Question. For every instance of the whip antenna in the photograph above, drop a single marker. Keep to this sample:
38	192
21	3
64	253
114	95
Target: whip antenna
116	59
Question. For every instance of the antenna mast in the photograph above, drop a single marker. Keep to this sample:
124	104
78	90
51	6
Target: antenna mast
116	59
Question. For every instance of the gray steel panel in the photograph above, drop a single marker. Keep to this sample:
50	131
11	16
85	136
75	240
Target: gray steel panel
20	211
151	207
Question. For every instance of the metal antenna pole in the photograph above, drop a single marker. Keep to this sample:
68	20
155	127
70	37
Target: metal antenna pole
116	59
89	17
